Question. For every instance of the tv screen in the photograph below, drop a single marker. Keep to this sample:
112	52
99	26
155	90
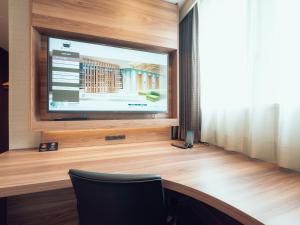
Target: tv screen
86	77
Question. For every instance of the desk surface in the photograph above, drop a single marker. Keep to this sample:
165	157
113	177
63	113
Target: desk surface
251	191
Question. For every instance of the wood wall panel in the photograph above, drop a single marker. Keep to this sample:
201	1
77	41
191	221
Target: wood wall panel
97	137
36	68
49	208
143	24
174	85
148	22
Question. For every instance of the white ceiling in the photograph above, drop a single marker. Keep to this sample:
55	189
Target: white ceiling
4	24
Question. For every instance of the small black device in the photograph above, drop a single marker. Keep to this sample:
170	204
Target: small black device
51	146
184	146
189	140
174	132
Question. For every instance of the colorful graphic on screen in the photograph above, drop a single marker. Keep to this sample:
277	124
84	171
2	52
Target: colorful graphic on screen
93	77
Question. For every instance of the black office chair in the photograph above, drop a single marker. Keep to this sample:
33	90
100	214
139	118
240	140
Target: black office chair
119	199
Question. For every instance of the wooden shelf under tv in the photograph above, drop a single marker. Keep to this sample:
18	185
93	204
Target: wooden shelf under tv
101	124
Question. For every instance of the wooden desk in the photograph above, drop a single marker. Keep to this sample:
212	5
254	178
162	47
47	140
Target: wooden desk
251	191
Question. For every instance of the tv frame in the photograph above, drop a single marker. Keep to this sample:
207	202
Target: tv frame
84	113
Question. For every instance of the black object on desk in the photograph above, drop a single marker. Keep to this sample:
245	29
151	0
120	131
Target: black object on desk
51	146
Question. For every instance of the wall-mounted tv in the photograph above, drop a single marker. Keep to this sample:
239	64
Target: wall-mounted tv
88	77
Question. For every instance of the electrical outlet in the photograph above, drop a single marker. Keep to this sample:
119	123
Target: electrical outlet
114	138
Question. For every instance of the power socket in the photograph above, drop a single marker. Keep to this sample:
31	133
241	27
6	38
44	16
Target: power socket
114	138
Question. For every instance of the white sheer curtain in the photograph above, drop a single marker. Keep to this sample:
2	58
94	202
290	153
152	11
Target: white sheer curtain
250	77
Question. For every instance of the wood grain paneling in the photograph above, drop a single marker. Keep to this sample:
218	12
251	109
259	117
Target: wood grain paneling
148	22
102	124
143	24
96	137
36	70
174	85
52	208
250	191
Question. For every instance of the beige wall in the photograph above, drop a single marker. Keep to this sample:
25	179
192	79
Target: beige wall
20	134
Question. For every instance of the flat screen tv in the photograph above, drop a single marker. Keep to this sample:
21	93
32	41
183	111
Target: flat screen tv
88	77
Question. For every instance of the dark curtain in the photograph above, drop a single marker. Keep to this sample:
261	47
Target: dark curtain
189	75
3	100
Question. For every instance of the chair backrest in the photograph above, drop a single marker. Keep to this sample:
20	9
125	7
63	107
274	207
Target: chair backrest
118	199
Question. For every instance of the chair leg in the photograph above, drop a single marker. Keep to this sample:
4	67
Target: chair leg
3	211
